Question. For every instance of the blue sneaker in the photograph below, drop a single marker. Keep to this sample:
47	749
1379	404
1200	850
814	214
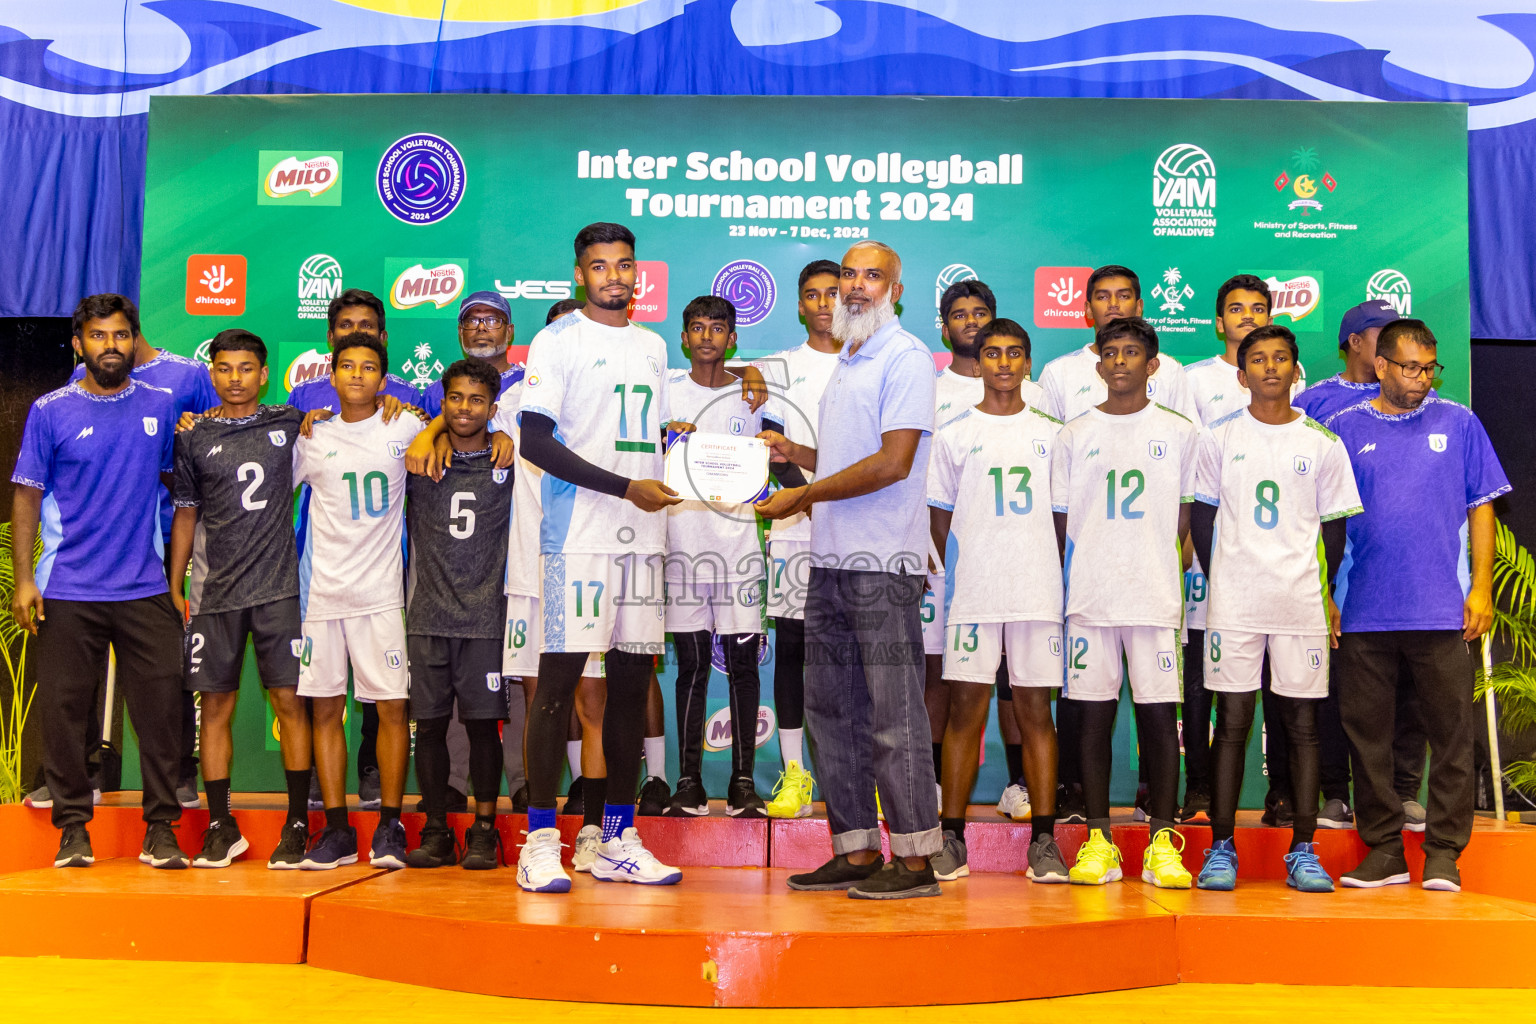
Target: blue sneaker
1220	870
1303	872
388	847
331	849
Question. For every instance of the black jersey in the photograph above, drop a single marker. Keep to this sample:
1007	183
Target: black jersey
238	474
457	528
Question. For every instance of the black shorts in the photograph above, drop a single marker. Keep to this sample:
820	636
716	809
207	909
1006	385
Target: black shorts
446	669
215	648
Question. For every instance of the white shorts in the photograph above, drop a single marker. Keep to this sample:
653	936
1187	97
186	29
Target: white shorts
789	577
933	616
718	608
1298	665
599	602
1098	657
374	644
520	655
975	650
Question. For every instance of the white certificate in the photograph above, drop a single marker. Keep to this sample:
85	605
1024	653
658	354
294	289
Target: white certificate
717	468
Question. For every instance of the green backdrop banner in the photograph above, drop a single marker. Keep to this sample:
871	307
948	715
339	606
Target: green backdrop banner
260	209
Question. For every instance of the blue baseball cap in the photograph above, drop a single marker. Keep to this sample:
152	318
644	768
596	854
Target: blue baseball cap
1361	318
492	299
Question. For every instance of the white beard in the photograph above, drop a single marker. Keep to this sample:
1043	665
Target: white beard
855	328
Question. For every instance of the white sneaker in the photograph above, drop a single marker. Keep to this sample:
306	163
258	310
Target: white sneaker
538	864
1015	803
587	841
626	859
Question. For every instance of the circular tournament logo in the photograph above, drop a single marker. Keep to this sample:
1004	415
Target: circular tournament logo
421	179
749	287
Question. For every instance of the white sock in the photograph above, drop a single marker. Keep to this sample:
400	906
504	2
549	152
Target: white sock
790	741
656	757
573	757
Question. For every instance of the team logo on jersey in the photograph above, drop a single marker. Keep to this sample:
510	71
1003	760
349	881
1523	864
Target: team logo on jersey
1157	449
1055	643
499	476
493	681
1040	448
1165	660
1436	441
1368	447
533	380
152	427
214	451
296	645
1303	465
738	424
277	437
394	659
655	367
397	449
1314	658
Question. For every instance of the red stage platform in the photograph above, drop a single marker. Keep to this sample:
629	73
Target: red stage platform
732	934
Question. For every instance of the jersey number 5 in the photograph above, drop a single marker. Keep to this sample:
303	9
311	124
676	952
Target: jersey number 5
461	520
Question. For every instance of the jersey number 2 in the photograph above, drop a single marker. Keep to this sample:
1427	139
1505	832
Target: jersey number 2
251	471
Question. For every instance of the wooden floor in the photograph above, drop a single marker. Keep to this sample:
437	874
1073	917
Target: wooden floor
46	990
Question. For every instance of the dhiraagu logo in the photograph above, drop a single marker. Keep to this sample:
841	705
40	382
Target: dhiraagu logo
288	178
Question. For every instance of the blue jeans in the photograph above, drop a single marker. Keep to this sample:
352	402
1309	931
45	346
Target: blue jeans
864	709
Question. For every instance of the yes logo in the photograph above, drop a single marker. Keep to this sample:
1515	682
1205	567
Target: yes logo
216	285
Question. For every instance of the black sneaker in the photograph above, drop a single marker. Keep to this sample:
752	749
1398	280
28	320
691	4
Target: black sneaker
1441	873
1071	809
836	873
332	848
74	848
896	881
186	791
741	800
290	847
520	800
316	801
690	800
575	800
370	789
160	849
482	847
1197	807
437	848
1380	867
655	795
1278	812
1139	810
222	843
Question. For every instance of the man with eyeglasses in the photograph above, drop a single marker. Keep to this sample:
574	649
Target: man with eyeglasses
1408	591
485	331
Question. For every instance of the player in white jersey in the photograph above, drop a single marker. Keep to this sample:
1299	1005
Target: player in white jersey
1274	488
988	467
592	417
1122	475
351	593
1072	386
716	572
1242	304
797	377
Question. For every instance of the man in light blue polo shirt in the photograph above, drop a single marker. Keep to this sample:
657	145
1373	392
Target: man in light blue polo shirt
869	543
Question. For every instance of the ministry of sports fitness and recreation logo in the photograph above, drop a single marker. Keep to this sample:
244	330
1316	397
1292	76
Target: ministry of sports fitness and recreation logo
1391	287
1184	192
286	178
1173	292
425	369
948	276
421	178
749	287
319	283
1306	164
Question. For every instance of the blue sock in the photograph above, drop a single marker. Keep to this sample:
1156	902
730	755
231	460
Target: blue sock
617	818
540	817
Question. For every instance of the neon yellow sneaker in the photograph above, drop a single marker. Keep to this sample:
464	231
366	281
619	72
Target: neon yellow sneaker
1098	861
1163	863
792	793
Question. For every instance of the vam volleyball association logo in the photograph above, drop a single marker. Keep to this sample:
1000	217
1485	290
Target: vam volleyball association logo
421	179
1184	192
1391	287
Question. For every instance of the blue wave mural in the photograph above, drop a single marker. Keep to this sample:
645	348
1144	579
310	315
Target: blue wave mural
76	80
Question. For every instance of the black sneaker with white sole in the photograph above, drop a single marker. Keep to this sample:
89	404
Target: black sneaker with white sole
1071	809
482	847
1441	873
186	791
370	789
655	795
291	846
741	800
690	800
222	843
160	849
896	881
74	848
1380	867
837	873
1335	814
316	801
